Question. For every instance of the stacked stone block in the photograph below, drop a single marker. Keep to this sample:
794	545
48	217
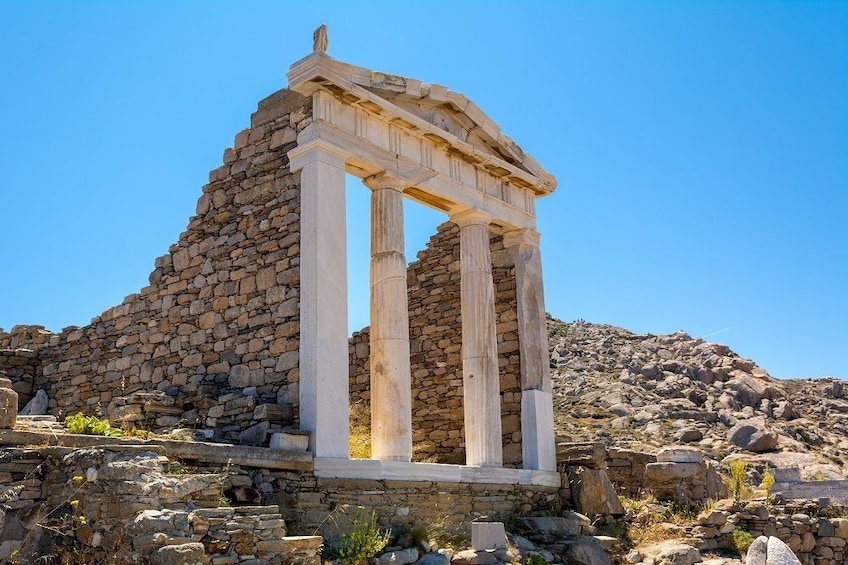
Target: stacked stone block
217	329
814	537
20	366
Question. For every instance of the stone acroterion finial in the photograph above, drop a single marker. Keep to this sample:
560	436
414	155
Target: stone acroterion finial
320	41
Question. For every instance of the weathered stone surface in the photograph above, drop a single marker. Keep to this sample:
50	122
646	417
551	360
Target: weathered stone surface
550	529
487	535
37	405
778	553
670	472
757	552
8	404
402	557
593	492
472	557
434	559
587	551
680	455
753	436
183	554
677	554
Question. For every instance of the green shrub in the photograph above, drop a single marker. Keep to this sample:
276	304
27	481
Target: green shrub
535	559
741	541
738	478
767	484
362	540
79	423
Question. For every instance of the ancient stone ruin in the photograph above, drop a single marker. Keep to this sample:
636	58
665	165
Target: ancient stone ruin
241	335
243	328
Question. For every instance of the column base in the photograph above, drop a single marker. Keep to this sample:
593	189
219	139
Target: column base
538	446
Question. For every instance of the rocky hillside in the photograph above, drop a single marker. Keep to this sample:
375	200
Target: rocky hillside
648	391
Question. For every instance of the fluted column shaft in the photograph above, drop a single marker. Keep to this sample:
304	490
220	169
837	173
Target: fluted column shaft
391	393
481	385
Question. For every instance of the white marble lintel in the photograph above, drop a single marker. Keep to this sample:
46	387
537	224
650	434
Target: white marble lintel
374	469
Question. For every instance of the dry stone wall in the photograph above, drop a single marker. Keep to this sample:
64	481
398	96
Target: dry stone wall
814	537
212	343
132	505
20	366
435	335
214	337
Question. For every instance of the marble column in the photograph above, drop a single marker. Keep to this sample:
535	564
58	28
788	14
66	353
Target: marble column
324	398
481	384
537	417
391	393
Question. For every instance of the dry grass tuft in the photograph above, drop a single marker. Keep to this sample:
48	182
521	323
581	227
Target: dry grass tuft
360	431
652	522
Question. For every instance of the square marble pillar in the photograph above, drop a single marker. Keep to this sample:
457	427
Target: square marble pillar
324	397
537	421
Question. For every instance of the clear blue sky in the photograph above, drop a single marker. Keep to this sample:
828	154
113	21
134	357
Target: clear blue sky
701	148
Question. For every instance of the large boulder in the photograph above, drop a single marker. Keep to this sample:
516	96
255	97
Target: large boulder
757	553
593	493
778	553
552	529
587	551
678	554
753	435
750	390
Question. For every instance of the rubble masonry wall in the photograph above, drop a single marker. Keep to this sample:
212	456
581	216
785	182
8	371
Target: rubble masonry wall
216	332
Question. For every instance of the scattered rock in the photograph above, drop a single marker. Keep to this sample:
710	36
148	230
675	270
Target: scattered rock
757	552
778	553
593	493
587	551
183	554
37	406
753	436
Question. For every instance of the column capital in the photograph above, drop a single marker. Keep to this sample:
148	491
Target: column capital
470	217
316	150
385	180
521	237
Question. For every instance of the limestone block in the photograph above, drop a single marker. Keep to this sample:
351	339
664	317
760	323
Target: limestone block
289	442
680	455
662	473
488	535
840	526
675	553
184	554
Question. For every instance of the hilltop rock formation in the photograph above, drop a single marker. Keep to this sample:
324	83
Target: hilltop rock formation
649	391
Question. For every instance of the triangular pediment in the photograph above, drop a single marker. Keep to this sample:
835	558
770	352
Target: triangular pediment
440	114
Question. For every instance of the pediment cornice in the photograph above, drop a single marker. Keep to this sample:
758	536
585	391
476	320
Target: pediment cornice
431	111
